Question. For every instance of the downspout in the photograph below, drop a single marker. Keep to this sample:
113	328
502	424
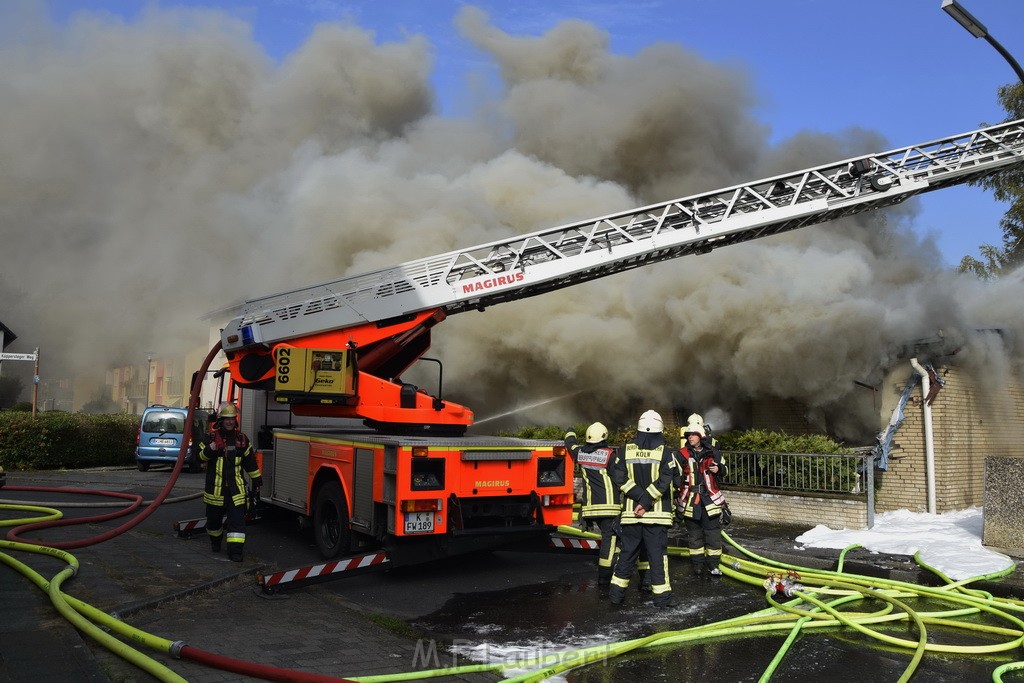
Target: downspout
929	443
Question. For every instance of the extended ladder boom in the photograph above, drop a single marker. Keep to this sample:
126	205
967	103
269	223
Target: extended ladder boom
543	261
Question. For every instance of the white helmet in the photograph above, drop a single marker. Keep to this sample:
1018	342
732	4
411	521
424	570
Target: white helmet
650	421
596	433
695	419
693	428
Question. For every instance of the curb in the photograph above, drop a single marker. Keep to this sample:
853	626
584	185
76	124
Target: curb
132	608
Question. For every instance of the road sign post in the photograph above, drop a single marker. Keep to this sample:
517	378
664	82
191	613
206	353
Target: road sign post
35	377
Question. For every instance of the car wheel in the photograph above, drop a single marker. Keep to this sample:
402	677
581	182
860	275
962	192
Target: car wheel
330	520
143	466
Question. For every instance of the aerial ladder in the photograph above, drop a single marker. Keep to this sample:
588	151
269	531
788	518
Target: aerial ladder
412	485
381	320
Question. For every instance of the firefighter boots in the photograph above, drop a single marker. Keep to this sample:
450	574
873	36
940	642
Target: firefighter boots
672	601
215	543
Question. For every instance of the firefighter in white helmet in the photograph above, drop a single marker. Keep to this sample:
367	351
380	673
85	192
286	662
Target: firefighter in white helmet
602	500
645	475
228	453
701	502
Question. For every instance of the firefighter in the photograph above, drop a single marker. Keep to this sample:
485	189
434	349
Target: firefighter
228	453
700	501
645	474
602	500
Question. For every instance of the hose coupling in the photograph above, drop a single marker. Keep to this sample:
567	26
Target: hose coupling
176	648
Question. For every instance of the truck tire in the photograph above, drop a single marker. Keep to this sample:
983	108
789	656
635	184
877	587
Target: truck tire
330	520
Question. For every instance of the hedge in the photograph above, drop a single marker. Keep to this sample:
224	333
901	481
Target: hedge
58	440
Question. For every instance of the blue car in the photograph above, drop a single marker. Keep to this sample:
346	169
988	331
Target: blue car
160	437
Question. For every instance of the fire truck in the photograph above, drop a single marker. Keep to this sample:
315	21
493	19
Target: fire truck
376	462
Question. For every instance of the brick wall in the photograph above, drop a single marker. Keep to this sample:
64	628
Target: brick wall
837	513
784	415
971	419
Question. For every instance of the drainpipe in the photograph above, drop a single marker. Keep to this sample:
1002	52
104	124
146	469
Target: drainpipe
929	443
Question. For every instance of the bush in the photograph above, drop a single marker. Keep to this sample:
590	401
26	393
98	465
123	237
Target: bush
779	442
57	440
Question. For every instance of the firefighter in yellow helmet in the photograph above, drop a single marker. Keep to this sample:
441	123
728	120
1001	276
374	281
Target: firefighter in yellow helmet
602	500
645	475
228	453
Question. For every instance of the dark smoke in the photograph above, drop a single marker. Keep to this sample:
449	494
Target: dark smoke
154	171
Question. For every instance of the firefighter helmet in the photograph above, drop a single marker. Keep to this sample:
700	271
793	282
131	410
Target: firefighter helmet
596	433
650	421
694	428
227	410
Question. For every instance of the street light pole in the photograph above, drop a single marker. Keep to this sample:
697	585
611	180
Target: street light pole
978	30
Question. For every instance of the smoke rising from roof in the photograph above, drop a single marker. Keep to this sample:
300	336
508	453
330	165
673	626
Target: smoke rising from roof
151	172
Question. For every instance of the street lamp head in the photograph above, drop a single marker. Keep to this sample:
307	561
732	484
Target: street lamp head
964	18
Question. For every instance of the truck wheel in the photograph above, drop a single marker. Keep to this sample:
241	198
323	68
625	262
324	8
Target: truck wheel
143	466
330	520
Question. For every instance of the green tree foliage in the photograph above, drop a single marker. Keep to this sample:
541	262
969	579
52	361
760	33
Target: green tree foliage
10	390
1007	186
100	403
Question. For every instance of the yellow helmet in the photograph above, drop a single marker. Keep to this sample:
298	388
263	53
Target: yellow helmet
227	410
596	433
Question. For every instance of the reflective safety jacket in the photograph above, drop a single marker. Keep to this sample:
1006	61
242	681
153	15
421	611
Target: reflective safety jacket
226	458
644	474
601	498
700	493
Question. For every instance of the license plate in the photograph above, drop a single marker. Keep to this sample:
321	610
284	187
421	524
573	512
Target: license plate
162	442
419	522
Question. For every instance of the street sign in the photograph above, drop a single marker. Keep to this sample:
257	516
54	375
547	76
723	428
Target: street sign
17	356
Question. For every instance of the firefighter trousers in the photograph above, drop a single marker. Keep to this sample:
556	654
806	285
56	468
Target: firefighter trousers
609	548
704	536
653	538
234	529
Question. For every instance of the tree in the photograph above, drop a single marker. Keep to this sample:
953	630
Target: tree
1007	186
101	404
10	391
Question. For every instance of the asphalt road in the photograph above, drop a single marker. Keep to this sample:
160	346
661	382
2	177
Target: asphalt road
501	606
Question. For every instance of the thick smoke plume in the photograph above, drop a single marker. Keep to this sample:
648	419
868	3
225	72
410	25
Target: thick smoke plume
152	172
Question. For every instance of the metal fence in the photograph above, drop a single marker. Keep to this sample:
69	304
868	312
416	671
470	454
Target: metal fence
802	473
795	471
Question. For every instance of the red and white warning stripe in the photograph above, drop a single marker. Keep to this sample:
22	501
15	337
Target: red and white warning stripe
321	571
189	526
576	543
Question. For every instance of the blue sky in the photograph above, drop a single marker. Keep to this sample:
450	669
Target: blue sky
903	68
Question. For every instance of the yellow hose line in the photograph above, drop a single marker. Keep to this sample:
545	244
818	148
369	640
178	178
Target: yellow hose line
51	514
922	631
997	675
79	613
63	605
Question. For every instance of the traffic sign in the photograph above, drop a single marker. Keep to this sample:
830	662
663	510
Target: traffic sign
17	356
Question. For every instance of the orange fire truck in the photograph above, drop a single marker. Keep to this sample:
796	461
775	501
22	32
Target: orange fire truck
376	462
